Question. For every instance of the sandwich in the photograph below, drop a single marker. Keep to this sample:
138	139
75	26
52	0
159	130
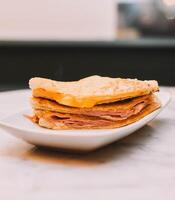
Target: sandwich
94	102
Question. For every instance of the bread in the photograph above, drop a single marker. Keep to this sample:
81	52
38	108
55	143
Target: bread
91	91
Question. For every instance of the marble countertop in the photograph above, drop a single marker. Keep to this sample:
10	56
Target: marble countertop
140	166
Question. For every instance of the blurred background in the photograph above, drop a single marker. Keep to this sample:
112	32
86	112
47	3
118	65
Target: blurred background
68	40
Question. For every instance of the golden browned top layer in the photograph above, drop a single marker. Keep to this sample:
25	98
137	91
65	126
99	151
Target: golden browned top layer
92	90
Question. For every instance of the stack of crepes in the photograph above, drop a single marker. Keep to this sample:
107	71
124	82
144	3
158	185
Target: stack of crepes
94	102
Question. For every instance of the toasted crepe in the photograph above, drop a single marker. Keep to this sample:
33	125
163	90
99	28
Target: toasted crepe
91	91
117	109
50	114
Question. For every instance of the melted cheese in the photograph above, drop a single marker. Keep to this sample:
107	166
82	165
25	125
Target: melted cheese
85	102
64	99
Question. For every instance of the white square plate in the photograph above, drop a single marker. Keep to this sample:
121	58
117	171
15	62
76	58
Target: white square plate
79	140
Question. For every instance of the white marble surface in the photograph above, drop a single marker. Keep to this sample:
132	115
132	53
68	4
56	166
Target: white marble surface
141	166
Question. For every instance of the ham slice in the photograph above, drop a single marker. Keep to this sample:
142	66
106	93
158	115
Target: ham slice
124	114
122	109
56	119
52	115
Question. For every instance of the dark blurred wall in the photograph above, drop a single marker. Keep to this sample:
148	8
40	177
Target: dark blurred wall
18	63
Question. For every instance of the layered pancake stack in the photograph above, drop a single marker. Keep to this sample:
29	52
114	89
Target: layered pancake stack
94	102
